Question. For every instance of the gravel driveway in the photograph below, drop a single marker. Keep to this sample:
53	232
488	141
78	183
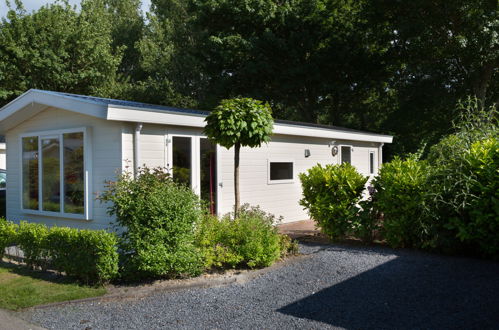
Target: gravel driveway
335	287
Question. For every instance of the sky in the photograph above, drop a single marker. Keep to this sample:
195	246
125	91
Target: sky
35	4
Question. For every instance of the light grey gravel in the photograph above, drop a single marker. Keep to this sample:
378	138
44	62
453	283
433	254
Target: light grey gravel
336	287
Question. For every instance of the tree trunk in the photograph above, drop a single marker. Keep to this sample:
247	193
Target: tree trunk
483	82
236	179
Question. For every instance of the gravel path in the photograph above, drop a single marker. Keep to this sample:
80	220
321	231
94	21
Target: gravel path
336	287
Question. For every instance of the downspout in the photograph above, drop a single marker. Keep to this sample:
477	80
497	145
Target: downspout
136	149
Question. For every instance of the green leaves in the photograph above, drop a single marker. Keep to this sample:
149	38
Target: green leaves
90	256
331	195
250	240
58	48
241	120
157	219
400	193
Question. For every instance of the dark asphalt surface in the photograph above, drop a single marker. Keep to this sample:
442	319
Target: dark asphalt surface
335	287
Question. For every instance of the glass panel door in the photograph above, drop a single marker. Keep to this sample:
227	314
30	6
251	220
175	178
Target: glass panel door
208	173
181	160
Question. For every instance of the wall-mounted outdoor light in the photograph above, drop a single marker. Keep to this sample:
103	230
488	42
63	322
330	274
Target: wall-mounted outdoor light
334	151
307	153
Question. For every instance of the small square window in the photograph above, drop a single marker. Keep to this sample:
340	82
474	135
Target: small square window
346	154
281	171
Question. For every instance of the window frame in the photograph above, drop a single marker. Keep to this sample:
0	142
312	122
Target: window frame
87	170
340	154
273	160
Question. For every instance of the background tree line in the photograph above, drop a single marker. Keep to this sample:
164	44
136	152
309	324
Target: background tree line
386	66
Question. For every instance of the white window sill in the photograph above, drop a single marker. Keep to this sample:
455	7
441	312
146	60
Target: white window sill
56	214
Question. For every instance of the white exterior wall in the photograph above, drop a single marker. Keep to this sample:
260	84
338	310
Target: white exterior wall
281	199
106	159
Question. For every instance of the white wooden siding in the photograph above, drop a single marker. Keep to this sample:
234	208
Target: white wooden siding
282	199
106	159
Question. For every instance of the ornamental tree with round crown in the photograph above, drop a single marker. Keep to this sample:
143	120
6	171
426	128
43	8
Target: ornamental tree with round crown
239	122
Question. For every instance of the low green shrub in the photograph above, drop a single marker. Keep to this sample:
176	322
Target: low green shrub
32	239
88	255
250	240
399	196
8	232
331	195
157	219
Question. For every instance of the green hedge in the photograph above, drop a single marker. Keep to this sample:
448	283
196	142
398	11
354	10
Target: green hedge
88	255
8	232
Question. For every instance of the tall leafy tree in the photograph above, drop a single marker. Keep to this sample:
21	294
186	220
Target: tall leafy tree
58	48
442	52
239	122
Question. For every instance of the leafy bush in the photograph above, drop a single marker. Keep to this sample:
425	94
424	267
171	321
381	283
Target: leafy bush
32	239
483	226
399	195
8	232
250	240
331	195
158	219
89	255
462	190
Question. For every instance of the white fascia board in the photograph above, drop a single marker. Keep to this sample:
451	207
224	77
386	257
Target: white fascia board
139	115
130	114
330	133
34	101
53	100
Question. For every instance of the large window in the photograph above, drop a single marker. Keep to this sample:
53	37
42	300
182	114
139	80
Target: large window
280	172
53	173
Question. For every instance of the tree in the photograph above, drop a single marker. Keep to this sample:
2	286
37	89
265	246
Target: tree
239	122
58	48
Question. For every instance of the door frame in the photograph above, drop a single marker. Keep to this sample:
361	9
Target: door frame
195	160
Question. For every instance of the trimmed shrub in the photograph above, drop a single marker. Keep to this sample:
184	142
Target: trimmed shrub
331	195
250	240
32	239
8	232
88	255
399	195
157	219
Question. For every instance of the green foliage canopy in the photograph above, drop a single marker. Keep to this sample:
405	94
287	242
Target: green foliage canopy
58	48
242	120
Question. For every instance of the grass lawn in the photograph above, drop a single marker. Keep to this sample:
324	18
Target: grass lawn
20	288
